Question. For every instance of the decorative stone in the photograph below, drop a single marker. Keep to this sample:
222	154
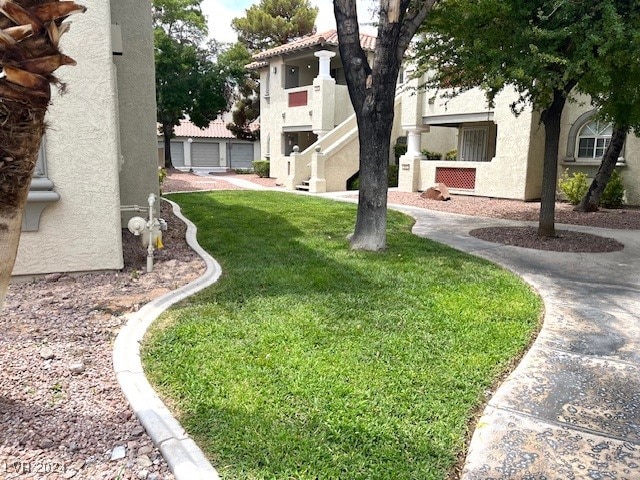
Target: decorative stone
146	450
438	192
53	277
118	452
137	431
46	353
76	367
69	473
143	474
46	443
144	461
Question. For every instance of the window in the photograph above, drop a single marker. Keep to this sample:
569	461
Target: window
593	139
473	144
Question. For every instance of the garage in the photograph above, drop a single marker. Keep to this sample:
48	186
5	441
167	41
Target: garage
177	154
241	155
205	154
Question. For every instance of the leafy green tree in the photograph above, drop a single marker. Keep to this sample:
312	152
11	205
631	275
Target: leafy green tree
617	97
372	90
188	82
543	48
274	22
246	88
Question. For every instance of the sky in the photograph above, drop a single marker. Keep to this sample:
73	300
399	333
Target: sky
219	14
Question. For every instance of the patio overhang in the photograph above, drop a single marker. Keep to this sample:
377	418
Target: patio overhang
456	119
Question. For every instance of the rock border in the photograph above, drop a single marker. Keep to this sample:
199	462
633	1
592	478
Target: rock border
184	457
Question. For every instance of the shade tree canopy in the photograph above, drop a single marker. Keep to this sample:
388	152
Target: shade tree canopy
544	49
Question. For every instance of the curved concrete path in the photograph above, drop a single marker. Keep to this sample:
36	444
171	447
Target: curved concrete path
571	409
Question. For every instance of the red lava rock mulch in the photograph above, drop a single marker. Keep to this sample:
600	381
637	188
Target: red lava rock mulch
564	241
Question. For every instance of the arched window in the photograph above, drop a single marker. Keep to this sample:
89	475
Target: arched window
593	139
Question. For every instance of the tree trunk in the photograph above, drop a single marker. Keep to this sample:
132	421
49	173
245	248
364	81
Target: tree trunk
591	199
30	55
167	133
371	223
551	120
372	93
19	152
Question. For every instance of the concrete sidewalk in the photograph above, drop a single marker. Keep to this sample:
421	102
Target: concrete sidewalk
571	409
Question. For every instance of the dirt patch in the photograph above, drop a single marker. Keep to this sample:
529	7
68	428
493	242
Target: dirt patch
564	241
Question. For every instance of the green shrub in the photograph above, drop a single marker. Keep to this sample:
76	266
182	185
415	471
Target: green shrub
243	171
393	175
432	155
261	167
399	149
353	183
451	155
613	195
574	187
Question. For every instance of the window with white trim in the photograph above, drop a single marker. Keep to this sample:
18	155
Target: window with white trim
593	139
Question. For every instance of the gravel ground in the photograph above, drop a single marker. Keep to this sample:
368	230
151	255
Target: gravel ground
62	414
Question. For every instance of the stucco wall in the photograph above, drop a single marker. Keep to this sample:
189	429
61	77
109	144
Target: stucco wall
505	176
440	139
630	170
137	102
82	230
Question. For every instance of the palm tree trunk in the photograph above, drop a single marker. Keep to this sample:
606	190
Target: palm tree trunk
29	40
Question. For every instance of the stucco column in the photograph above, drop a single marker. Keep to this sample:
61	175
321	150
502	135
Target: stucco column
293	167
409	163
413	142
324	57
318	182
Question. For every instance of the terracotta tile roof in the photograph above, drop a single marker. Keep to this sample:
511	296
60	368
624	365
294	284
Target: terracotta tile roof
330	37
216	129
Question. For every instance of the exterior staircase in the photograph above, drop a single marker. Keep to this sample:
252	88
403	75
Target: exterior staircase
327	165
304	186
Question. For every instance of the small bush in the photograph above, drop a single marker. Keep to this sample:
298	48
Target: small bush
162	175
353	183
393	175
399	149
432	155
451	155
261	167
574	187
613	195
242	171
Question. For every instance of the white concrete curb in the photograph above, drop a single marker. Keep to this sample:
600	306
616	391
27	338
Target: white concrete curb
185	459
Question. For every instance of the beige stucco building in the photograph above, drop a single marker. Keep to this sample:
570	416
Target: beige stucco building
500	154
309	132
99	153
308	129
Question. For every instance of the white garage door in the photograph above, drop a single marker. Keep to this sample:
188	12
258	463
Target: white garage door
177	154
205	154
241	155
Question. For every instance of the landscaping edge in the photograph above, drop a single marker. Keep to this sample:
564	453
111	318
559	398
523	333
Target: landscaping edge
184	457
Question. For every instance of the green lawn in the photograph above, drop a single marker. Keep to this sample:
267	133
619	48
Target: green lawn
310	361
